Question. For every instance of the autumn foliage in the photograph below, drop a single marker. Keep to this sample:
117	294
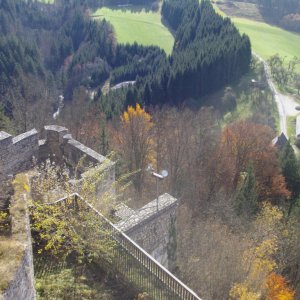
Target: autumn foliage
245	143
135	142
278	289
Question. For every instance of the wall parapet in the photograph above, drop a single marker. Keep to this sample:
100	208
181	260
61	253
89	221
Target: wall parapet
150	227
17	258
16	153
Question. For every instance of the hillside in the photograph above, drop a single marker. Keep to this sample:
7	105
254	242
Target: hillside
191	115
141	26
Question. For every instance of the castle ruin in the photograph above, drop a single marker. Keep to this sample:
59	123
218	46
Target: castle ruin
149	227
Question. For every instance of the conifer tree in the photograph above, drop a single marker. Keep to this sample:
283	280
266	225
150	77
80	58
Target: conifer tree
291	171
246	199
104	145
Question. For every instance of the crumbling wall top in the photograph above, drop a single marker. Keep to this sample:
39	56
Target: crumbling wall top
5	139
147	213
24	136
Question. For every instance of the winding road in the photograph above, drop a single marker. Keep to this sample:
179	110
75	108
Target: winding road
286	105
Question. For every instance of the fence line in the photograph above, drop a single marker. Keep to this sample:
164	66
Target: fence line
136	264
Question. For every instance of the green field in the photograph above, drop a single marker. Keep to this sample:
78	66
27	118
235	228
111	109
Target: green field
268	40
142	27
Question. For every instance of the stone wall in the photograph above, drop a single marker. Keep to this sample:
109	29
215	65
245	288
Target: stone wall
152	228
21	285
58	145
16	153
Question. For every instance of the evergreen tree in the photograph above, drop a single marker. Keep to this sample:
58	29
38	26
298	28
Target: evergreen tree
291	171
4	121
246	198
104	145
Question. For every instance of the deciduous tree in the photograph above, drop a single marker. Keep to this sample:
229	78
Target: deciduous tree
135	143
244	142
278	289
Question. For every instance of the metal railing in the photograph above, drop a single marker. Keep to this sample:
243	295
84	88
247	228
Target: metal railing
135	264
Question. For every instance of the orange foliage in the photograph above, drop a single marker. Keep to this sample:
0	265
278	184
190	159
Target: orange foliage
277	288
245	142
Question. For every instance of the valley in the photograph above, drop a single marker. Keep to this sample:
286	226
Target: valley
164	97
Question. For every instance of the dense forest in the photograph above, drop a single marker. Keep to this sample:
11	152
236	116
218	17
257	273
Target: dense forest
61	48
208	53
285	13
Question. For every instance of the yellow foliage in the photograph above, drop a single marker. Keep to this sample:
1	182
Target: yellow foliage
261	257
258	260
269	217
240	292
136	112
26	187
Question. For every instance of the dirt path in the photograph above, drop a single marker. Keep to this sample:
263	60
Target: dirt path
286	105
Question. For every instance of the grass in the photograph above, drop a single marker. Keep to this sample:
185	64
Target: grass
268	40
143	27
291	128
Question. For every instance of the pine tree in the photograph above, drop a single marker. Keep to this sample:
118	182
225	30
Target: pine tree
104	146
247	199
291	171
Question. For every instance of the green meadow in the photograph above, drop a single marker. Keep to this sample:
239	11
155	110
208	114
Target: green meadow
143	27
268	40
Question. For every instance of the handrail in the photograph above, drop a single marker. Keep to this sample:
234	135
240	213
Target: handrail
164	275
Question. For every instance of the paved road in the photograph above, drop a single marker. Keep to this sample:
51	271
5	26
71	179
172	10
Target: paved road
286	105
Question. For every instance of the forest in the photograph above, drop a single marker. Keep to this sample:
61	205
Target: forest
283	13
238	224
64	49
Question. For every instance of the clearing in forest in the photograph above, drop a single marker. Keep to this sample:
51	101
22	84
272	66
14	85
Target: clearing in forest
268	40
141	26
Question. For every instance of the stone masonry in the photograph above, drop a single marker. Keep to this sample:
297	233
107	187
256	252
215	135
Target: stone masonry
150	226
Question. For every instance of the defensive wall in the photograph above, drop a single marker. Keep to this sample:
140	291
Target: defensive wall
21	153
21	273
152	227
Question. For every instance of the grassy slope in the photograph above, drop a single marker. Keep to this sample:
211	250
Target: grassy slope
268	40
142	27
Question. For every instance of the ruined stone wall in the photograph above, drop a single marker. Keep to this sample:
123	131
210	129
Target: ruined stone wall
58	145
16	153
153	228
22	286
